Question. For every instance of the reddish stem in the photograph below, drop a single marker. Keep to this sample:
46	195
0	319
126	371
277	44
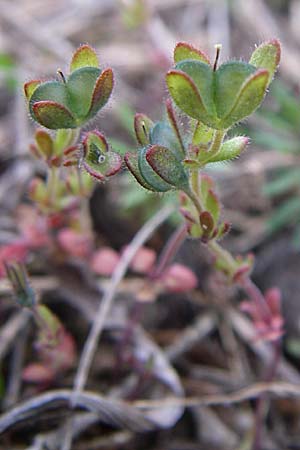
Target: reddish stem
169	251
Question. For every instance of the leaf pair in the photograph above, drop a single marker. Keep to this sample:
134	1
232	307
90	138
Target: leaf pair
157	165
157	169
71	102
221	97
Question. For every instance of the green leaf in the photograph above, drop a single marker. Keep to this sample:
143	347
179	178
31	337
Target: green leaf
105	165
84	56
80	86
267	56
131	161
162	134
98	160
53	91
167	166
142	127
44	143
230	149
30	87
150	176
53	115
184	51
249	98
202	134
102	91
212	205
63	139
97	139
202	76
229	79
186	96
206	184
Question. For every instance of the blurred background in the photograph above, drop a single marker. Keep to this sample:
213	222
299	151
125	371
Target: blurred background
260	191
136	38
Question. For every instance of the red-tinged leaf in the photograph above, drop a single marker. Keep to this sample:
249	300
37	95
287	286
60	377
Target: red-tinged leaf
207	224
35	151
96	138
84	56
70	163
44	142
212	205
53	115
186	95
166	165
97	156
30	87
114	164
249	97
94	173
109	166
223	229
55	161
71	150
131	161
102	91
184	51
267	56
142	128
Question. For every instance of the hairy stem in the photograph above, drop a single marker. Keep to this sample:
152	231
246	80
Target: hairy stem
216	142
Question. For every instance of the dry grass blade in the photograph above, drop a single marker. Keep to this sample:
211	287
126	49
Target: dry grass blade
101	316
277	389
109	411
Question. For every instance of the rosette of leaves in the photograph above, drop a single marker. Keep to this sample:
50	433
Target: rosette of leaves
98	159
221	97
71	102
